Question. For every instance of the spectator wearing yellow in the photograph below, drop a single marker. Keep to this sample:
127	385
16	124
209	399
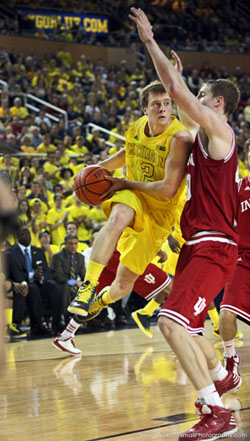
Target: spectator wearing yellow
56	220
36	193
27	144
119	144
34	164
67	179
21	193
48	248
18	110
61	153
117	130
71	228
52	168
9	164
40	220
79	146
92	140
4	112
79	213
244	169
46	145
67	142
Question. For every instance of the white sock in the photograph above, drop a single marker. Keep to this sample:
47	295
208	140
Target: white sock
70	329
209	395
218	373
229	347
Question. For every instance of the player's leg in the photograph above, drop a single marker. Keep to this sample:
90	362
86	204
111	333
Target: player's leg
121	286
121	216
223	378
65	340
153	285
228	330
235	303
214	317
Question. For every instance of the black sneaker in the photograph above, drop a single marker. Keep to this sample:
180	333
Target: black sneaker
81	303
15	332
142	319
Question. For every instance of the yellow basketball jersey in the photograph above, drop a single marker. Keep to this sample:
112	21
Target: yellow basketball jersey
146	156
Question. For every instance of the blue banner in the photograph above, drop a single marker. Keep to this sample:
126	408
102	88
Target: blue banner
47	20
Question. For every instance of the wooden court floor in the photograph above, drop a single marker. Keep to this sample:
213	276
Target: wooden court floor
125	387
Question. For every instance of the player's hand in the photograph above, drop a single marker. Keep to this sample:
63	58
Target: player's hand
174	244
116	185
178	63
162	256
143	25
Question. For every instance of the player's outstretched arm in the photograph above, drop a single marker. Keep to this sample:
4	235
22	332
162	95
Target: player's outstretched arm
188	122
174	83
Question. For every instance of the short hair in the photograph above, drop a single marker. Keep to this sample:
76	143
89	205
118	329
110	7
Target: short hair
228	90
70	223
153	87
70	236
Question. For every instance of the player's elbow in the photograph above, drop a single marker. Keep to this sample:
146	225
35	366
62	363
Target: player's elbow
169	191
174	91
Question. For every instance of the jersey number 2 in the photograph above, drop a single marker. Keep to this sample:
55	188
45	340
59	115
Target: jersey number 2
147	171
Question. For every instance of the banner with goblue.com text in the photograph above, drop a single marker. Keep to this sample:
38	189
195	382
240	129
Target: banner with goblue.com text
48	20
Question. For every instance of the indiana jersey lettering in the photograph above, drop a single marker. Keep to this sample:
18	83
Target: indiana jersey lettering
244	214
236	298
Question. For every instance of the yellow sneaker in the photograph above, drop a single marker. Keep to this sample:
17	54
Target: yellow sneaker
216	333
142	319
238	335
96	306
81	303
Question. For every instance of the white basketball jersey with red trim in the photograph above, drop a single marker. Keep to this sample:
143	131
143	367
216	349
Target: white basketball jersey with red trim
244	214
212	196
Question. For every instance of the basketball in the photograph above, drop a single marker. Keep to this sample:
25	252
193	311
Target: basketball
90	183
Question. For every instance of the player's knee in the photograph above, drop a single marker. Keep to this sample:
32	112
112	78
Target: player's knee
170	329
123	286
227	318
165	326
121	218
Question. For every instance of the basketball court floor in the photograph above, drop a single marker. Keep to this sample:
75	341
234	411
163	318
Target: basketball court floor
125	387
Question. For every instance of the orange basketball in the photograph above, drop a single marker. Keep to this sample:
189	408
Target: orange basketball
90	183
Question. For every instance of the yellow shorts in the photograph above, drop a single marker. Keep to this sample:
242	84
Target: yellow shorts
140	243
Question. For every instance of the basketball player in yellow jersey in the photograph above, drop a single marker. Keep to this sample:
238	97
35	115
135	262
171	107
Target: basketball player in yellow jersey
156	154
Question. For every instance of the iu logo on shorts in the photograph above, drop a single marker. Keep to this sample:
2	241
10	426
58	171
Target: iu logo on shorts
149	278
199	305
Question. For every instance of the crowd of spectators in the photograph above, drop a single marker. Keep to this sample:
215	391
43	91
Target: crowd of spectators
52	152
187	25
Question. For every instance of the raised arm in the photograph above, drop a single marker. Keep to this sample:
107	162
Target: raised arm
220	137
188	122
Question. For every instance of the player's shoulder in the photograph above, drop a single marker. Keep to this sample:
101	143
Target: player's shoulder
134	126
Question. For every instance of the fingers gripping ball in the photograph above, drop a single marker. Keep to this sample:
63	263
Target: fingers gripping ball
90	184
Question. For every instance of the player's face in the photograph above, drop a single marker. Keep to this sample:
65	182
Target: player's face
205	96
158	110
